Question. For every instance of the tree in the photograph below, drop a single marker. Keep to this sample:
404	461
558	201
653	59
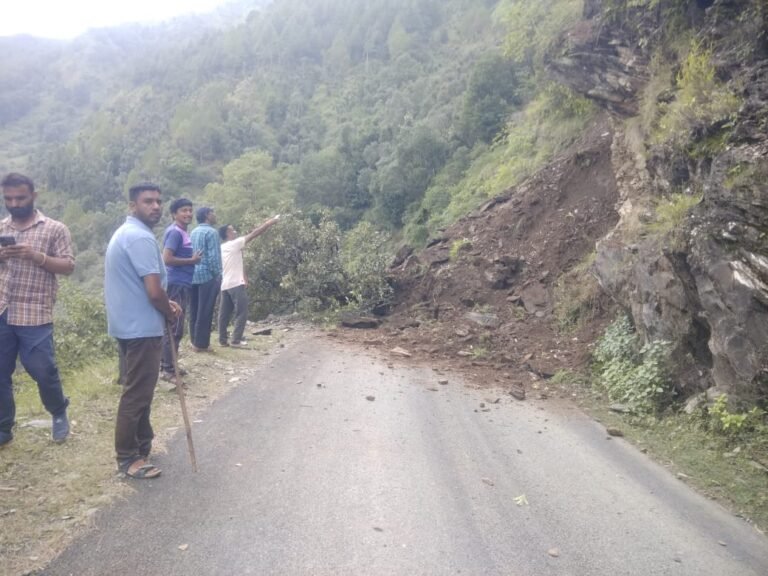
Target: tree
249	182
491	94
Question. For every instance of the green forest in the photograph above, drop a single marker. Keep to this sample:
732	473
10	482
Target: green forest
401	115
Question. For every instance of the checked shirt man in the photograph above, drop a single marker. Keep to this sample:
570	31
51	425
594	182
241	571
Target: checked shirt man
206	281
36	249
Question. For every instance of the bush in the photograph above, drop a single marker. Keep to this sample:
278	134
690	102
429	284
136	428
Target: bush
306	264
734	424
628	373
80	328
701	100
364	262
457	246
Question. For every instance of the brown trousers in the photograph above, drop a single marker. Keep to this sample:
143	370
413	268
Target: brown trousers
141	366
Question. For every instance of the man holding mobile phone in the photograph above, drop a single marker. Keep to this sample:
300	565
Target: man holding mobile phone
34	251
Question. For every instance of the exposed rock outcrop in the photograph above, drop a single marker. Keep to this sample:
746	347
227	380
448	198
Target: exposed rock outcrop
708	293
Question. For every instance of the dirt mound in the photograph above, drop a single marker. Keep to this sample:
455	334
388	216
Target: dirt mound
482	293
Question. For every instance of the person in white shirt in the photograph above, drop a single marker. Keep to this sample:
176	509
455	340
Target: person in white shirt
234	296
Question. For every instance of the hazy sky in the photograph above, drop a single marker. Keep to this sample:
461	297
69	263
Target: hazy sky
69	18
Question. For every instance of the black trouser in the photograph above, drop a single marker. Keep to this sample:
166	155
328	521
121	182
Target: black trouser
179	294
141	363
201	305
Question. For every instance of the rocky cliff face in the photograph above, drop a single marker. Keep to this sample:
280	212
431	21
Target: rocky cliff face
707	292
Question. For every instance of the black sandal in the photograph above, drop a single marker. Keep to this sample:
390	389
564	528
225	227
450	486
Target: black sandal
144	472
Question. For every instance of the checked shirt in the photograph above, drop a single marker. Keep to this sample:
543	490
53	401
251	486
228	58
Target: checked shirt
26	290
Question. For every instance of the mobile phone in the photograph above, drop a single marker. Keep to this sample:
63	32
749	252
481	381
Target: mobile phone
7	240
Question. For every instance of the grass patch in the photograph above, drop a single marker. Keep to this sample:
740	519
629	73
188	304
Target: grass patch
731	472
457	246
577	295
701	99
49	493
670	216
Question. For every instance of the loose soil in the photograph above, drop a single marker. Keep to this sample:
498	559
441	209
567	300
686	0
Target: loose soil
482	294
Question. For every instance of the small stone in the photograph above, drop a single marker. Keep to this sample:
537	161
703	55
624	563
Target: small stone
554	552
443	382
614	432
370	398
183	547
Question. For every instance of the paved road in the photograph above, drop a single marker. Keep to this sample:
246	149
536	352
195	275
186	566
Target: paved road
301	474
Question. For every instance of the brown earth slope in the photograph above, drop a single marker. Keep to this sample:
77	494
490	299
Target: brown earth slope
482	294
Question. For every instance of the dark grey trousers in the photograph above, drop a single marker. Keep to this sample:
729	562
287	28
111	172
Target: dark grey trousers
179	294
234	300
201	305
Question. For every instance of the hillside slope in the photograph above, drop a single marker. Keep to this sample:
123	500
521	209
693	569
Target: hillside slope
688	128
485	290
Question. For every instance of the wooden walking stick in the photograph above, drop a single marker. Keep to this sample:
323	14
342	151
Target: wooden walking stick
180	391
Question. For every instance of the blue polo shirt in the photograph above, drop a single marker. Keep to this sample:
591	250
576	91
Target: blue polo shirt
132	254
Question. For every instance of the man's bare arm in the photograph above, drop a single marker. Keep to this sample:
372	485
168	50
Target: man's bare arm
172	260
259	230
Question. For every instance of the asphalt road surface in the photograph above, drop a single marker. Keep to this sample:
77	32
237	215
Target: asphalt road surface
332	462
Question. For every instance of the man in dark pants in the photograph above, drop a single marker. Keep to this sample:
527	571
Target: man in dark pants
180	261
138	309
33	251
206	281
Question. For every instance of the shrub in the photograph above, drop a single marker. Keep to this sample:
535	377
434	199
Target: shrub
80	328
364	262
457	246
733	424
306	264
637	376
701	100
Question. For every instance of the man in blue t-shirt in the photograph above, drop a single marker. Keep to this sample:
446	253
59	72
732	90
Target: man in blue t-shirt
180	260
138	309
